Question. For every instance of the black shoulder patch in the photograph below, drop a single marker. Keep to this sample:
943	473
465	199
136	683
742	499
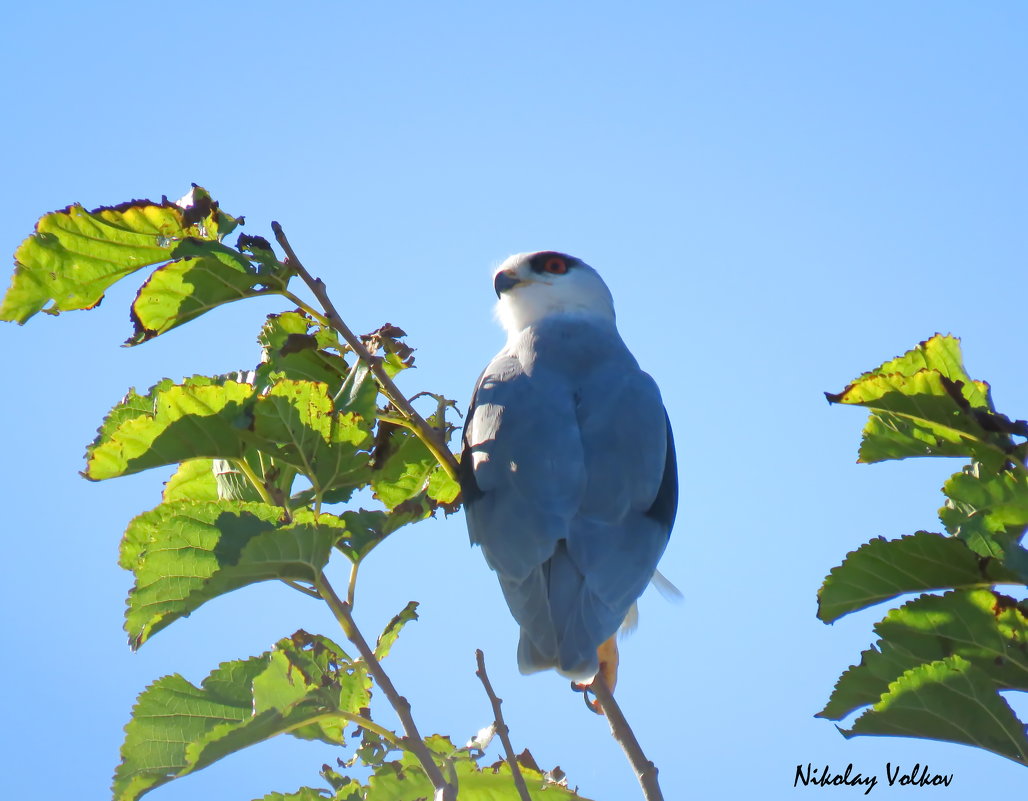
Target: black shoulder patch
469	488
466	476
665	504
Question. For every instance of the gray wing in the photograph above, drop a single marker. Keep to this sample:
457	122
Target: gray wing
570	489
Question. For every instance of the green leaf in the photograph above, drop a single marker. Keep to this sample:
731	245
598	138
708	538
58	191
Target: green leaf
882	569
393	628
74	255
307	685
185	553
441	487
982	626
405	780
133	405
949	699
231	483
365	529
313	662
1016	561
923	403
359	392
303	794
193	481
940	353
986	509
295	347
864	683
203	276
170	714
924	414
324	444
402	465
405	468
202	417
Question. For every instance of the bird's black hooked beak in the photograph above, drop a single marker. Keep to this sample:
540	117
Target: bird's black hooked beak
504	281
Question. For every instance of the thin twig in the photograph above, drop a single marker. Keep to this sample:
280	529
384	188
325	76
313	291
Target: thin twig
645	770
412	741
501	728
426	433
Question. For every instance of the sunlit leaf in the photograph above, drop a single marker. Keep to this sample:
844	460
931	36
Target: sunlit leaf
202	417
923	403
74	255
193	481
231	483
441	487
984	627
924	414
940	353
185	553
203	276
402	465
405	780
393	628
306	685
295	347
131	406
325	445
987	509
303	794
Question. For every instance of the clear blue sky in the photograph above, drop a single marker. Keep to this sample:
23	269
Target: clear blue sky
780	196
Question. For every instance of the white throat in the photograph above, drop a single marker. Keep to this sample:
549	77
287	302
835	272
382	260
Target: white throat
527	305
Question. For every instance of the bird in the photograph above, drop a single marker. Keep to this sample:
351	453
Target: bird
568	469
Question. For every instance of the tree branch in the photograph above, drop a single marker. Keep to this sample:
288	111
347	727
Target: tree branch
426	433
501	728
412	741
645	770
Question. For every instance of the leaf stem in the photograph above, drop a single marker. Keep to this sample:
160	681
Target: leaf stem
426	433
501	727
644	769
321	318
412	741
254	479
300	588
359	720
351	585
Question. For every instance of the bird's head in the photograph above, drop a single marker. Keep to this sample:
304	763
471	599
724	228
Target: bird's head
533	286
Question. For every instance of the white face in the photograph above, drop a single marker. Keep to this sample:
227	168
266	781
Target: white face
532	286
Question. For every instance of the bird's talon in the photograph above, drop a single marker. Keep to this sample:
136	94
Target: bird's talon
592	703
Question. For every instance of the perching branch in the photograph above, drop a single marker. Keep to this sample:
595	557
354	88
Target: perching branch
501	728
645	770
412	741
426	433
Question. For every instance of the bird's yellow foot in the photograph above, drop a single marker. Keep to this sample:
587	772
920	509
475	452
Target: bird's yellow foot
607	654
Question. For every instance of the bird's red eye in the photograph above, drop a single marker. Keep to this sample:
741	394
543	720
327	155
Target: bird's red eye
555	265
